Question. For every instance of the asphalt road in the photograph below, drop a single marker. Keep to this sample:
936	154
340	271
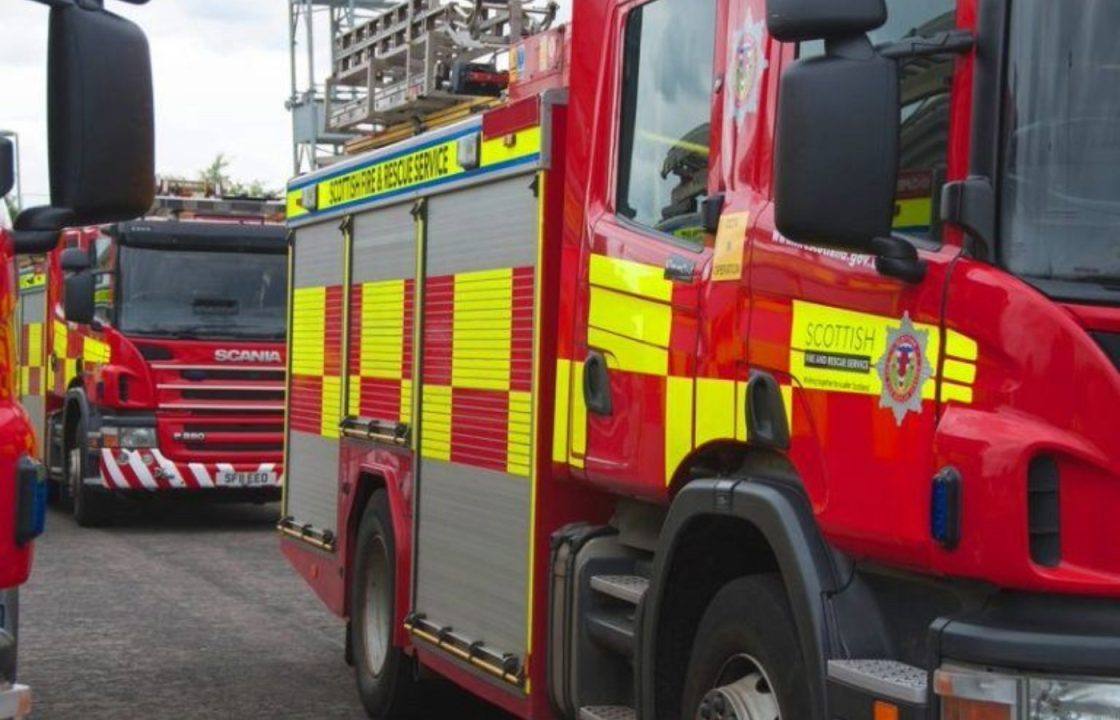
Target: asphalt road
186	612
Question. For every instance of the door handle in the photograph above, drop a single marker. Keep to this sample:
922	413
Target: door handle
766	412
597	385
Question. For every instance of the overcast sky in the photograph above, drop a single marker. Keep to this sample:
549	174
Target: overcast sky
221	78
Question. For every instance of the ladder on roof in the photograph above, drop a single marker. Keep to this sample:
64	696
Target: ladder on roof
400	62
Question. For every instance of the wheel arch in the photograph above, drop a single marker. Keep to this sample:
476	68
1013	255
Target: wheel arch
370	478
75	407
718	530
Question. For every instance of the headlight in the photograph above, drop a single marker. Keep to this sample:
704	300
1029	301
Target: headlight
968	694
1057	699
128	437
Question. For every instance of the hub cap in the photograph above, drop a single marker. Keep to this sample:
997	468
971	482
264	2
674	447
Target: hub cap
743	692
376	603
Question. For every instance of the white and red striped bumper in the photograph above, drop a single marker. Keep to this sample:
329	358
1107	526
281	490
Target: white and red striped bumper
150	470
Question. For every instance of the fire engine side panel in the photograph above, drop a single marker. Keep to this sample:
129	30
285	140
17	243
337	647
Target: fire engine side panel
32	380
315	383
383	259
475	493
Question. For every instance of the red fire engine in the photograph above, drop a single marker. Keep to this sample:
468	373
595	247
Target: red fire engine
22	481
157	364
744	375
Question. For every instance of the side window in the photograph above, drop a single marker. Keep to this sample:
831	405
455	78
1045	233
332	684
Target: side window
926	85
104	279
666	115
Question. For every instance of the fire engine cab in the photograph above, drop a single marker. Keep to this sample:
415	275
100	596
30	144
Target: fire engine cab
765	365
154	355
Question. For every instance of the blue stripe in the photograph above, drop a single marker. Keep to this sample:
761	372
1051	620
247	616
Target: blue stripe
527	160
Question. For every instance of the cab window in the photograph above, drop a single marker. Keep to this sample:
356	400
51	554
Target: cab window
926	85
104	281
665	138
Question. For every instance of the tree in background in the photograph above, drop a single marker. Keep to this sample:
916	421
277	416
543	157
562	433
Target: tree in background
216	176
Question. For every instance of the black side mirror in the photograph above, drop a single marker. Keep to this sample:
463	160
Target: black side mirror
836	155
801	20
75	260
77	298
101	126
7	166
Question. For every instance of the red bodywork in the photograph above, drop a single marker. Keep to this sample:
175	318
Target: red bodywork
1038	381
16	436
235	407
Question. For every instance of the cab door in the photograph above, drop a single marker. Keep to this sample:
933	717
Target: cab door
862	350
645	247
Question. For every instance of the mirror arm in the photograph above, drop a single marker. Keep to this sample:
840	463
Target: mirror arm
898	258
971	205
953	42
852	47
34	242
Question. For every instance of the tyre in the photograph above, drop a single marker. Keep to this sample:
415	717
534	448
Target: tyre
384	673
92	507
746	660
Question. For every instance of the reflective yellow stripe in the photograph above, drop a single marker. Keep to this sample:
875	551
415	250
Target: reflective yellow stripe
631	317
961	346
61	336
332	406
406	401
715	410
636	278
25	381
382	330
354	393
629	355
961	372
482	330
511	147
951	392
436	410
742	431
35	344
95	351
519	440
309	317
563	398
678	423
579	417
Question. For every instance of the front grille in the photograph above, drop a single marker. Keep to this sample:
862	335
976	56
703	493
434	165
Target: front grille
250	394
203	374
221	414
1111	344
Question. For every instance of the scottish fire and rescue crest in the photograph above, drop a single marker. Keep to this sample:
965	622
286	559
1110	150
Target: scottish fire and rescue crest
904	369
748	64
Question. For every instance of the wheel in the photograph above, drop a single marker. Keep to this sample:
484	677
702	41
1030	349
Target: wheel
746	661
383	672
92	507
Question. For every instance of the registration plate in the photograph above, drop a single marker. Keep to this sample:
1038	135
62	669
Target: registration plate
233	478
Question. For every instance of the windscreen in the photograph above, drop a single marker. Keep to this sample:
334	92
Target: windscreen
1061	184
202	294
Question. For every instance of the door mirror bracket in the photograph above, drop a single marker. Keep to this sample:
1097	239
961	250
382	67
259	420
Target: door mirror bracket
971	205
898	258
